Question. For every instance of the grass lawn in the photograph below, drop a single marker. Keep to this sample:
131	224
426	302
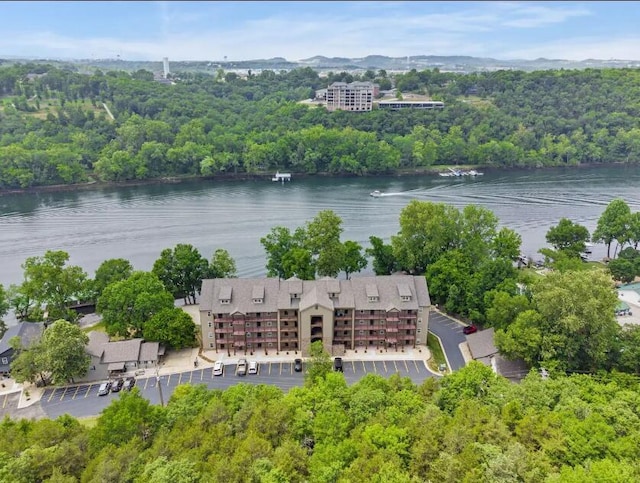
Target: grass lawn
88	422
100	327
433	343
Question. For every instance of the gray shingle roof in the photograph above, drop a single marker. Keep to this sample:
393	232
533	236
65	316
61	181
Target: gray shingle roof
28	332
278	294
149	351
97	340
122	351
481	344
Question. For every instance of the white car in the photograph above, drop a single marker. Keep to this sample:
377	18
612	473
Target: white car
253	367
218	368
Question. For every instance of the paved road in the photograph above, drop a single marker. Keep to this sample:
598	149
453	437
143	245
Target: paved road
450	333
83	400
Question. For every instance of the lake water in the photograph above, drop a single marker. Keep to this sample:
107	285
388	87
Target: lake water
136	223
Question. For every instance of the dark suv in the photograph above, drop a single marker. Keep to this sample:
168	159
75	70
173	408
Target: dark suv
117	385
337	364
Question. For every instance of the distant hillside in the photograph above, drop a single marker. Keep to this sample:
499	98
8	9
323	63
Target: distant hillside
454	63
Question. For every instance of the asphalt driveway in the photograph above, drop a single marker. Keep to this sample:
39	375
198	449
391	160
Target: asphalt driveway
450	333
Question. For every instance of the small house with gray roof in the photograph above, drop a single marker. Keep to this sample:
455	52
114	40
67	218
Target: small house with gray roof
109	358
27	332
245	315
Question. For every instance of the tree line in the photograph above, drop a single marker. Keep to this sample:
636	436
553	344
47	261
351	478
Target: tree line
467	426
54	129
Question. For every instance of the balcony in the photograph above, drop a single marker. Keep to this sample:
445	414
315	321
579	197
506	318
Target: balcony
224	330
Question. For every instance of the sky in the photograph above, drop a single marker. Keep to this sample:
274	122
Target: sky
217	31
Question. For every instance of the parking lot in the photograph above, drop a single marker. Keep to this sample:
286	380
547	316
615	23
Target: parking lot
83	400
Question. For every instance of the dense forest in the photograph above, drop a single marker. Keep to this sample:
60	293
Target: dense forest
54	128
470	426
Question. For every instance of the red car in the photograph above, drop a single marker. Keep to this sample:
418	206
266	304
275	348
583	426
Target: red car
469	329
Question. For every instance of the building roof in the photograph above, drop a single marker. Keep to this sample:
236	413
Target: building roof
28	332
97	340
481	344
402	292
149	351
122	351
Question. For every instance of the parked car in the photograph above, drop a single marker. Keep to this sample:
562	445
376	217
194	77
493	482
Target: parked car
253	367
242	367
117	385
218	368
337	364
297	365
129	383
104	388
469	329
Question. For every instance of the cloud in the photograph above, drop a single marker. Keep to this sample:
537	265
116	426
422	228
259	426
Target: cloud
354	29
580	48
528	15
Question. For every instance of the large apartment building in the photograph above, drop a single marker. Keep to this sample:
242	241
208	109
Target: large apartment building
245	315
356	96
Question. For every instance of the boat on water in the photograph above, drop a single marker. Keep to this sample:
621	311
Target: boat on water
376	194
457	173
281	177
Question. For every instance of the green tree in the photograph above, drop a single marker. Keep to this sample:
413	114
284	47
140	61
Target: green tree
28	363
181	270
613	224
384	262
319	364
127	305
4	308
506	244
427	230
568	237
323	241
48	281
353	259
278	243
573	324
110	271
173	327
65	351
128	417
222	265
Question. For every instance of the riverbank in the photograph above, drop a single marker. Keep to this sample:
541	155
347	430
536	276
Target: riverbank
262	176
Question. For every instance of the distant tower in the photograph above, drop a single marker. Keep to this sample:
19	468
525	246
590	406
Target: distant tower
165	65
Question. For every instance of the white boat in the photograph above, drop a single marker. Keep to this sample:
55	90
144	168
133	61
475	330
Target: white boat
281	177
473	172
376	194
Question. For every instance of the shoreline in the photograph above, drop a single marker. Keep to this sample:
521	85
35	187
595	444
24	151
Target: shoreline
426	171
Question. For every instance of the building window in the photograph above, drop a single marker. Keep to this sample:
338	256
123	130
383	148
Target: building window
247	324
420	309
361	332
5	360
269	334
360	342
210	335
361	322
269	344
269	324
373	299
210	324
382	332
208	314
286	334
248	334
210	344
257	301
405	298
286	313
225	301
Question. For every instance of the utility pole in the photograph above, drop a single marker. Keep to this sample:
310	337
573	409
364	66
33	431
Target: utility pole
159	387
